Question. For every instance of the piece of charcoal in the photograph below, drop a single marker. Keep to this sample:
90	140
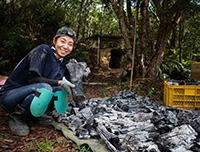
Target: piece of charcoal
76	71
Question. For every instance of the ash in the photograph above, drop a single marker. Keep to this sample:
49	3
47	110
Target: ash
131	123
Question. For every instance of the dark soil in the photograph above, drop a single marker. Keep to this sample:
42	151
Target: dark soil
48	135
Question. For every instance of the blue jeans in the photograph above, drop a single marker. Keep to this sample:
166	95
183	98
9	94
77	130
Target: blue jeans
24	95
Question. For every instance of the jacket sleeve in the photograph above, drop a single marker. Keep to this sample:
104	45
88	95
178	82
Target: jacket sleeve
35	78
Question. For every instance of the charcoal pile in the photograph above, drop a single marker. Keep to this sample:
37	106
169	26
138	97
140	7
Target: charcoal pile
131	123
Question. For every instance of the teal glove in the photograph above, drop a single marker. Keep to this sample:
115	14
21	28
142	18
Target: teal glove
67	85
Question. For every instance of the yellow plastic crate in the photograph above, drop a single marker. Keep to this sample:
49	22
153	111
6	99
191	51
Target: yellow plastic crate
182	96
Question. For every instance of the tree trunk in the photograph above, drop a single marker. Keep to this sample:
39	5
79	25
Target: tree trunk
141	69
180	41
120	14
163	34
150	56
131	21
159	53
9	19
168	21
173	39
80	18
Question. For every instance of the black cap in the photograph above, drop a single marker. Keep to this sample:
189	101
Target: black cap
66	31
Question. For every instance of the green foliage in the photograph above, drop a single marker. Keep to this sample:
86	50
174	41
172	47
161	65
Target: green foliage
40	147
83	148
20	44
172	69
13	50
124	61
191	33
39	19
4	61
35	22
105	92
138	90
29	147
47	146
150	91
79	55
98	18
44	146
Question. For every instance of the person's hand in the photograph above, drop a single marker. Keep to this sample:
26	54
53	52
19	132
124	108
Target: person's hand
86	72
67	85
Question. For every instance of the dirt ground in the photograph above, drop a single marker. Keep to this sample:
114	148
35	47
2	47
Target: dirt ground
47	138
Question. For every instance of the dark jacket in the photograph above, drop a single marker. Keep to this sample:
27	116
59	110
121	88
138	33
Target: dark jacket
41	61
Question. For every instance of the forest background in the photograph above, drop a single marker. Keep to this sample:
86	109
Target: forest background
166	33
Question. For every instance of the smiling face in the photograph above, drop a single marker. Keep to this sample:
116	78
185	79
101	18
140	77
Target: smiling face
63	46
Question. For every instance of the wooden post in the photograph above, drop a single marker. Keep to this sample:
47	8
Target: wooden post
134	43
98	51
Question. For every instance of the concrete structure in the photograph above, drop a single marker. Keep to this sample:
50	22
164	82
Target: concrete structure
108	56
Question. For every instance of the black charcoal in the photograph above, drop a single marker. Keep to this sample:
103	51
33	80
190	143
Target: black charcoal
128	122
